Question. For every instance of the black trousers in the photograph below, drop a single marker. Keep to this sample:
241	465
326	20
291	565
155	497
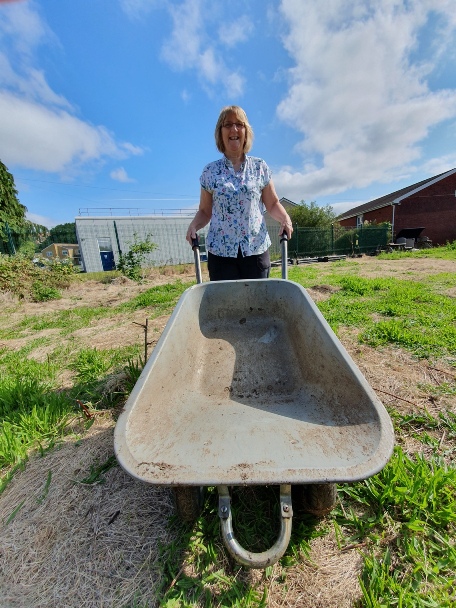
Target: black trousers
230	269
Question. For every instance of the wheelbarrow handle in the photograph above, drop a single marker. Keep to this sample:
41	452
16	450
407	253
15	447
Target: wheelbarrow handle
196	254
248	558
284	248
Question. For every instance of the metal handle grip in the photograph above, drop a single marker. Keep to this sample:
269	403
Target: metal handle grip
241	555
196	254
284	248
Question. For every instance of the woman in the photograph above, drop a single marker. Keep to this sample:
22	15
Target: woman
234	191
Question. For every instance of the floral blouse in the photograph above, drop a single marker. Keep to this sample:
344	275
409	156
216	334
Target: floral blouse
237	209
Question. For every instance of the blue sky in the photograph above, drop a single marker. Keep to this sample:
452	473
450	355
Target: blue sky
113	103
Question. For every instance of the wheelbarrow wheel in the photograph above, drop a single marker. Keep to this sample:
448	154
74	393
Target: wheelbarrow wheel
315	498
189	502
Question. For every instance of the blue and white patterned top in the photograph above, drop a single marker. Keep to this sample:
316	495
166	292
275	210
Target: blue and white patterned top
237	209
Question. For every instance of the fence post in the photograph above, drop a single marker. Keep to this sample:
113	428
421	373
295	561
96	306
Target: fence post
11	246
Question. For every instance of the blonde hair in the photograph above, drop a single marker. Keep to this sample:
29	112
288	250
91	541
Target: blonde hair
242	117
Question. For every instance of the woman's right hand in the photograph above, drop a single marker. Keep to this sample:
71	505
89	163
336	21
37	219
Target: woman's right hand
202	217
191	234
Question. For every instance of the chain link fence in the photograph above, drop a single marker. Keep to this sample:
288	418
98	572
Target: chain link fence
170	235
337	240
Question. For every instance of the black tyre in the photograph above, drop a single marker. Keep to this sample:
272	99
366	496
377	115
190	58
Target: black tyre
188	501
315	498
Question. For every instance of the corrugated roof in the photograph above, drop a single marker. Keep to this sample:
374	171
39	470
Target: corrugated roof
388	199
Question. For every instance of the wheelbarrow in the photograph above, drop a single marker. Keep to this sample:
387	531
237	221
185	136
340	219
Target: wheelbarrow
248	385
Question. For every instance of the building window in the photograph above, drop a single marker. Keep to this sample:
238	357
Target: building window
359	221
64	251
49	254
104	243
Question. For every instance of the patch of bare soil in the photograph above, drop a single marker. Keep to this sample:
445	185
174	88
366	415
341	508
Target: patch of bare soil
90	545
405	268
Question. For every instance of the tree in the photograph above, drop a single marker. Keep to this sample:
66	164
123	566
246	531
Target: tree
312	216
62	233
12	213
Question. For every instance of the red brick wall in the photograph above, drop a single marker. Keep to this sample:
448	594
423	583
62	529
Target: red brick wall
433	207
384	214
349	223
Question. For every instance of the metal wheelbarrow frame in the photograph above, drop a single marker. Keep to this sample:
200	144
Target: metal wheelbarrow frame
248	385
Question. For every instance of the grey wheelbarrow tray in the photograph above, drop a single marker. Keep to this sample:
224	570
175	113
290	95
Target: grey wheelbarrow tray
248	384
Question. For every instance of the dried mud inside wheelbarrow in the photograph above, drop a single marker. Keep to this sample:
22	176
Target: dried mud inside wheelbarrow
249	385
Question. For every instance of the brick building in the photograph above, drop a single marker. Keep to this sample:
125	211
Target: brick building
430	204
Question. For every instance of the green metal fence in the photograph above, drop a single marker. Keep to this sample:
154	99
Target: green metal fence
337	240
9	240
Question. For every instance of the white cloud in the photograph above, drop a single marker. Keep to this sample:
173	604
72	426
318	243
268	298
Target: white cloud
37	137
22	28
435	166
359	91
120	175
138	8
237	31
340	208
191	45
39	128
41	219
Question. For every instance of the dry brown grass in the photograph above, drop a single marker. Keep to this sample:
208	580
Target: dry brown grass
99	545
81	545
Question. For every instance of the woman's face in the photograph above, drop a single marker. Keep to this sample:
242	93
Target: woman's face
233	136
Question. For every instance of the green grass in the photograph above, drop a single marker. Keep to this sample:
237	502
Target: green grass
403	520
444	252
405	313
156	301
406	518
32	414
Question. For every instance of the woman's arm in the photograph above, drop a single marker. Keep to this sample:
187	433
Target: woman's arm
275	209
202	217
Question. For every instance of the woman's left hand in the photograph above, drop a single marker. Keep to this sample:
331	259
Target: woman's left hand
286	226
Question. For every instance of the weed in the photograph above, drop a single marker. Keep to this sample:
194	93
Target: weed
130	263
15	512
46	487
91	363
97	471
43	293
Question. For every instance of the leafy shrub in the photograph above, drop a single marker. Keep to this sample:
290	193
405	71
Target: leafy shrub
61	271
130	263
43	293
20	276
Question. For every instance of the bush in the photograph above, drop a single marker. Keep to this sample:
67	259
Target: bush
43	293
130	263
19	276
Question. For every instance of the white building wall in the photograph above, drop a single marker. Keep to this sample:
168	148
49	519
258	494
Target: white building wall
167	232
